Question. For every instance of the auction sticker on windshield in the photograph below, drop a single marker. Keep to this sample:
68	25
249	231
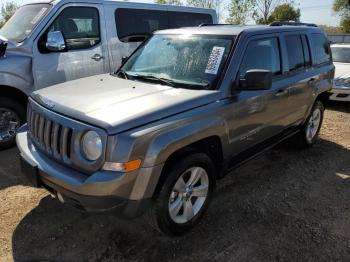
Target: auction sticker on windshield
215	60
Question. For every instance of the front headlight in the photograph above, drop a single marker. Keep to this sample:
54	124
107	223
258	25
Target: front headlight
92	145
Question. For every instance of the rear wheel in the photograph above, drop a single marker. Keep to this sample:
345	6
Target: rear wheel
12	116
310	130
185	195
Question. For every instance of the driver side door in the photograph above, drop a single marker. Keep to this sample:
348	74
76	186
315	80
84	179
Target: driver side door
85	52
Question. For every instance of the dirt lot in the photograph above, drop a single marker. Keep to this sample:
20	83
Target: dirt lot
287	205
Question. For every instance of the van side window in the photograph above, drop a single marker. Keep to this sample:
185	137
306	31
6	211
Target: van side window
322	49
182	19
134	25
295	52
80	27
306	48
262	54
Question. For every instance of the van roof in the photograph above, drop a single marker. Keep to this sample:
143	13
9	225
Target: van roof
235	29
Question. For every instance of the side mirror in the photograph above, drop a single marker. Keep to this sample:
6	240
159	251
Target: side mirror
256	80
55	42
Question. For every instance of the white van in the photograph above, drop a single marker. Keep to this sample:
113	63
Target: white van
50	42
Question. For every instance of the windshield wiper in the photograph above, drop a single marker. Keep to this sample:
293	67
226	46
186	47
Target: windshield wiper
157	79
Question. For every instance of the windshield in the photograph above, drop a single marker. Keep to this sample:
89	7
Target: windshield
186	61
341	54
23	21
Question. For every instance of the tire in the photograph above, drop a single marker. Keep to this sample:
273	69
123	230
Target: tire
309	134
159	214
14	112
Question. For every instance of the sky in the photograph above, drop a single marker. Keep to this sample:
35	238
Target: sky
315	11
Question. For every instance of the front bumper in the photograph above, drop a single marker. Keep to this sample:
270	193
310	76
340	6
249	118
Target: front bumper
101	191
340	94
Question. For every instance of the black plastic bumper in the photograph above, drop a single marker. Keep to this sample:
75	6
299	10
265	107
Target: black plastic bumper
122	207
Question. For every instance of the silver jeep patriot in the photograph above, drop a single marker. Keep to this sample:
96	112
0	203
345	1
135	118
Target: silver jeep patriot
185	108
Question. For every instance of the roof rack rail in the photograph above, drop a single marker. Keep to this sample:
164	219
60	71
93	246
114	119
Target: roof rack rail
292	24
204	24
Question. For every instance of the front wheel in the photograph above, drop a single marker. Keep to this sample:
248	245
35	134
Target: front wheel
310	130
12	116
185	195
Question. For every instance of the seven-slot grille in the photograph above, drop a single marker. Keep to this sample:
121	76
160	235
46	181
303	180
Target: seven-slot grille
51	137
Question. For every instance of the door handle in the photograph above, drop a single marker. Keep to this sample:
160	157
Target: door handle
281	92
312	81
97	57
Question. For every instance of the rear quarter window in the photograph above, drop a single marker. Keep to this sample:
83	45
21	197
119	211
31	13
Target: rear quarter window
322	50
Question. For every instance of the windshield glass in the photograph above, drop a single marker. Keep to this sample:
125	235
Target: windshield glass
341	54
23	21
186	61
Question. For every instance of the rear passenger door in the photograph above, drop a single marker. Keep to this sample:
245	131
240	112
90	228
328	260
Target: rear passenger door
299	74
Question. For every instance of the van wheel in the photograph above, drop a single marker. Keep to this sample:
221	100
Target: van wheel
310	130
184	196
12	116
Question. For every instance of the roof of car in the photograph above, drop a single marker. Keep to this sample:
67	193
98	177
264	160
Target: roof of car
234	29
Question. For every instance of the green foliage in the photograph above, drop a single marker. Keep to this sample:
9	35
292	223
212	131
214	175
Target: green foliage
239	11
203	3
345	24
342	7
7	10
168	2
285	12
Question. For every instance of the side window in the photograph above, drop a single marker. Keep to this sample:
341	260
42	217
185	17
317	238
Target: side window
322	51
182	19
306	48
80	27
262	54
134	25
295	52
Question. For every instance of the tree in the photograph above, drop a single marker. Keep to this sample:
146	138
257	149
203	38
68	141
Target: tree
7	11
168	2
285	12
239	11
342	7
212	4
345	24
264	8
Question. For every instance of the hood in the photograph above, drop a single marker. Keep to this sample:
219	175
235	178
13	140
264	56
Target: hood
116	104
342	70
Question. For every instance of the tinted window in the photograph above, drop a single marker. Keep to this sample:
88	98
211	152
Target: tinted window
321	49
133	25
295	52
181	19
262	54
79	26
306	48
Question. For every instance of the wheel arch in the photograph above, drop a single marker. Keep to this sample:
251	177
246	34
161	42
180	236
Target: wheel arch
15	94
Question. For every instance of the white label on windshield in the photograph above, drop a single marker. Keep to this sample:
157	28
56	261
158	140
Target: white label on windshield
38	16
215	60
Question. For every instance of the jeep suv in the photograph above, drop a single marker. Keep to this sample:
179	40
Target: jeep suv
188	105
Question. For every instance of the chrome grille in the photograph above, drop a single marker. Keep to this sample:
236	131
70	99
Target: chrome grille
50	136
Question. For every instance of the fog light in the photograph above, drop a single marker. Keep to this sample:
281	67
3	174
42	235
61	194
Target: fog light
122	167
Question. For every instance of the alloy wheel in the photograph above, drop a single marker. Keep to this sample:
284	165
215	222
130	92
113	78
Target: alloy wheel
188	195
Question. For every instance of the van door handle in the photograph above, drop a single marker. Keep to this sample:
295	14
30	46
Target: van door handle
97	57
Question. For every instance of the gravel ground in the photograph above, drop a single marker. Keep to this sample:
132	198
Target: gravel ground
286	205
